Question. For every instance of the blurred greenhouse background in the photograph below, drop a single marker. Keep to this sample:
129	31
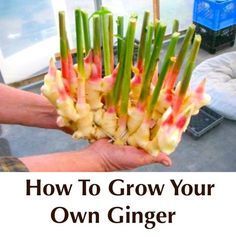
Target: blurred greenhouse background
28	26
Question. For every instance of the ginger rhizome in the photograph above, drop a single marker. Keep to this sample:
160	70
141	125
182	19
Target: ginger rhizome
105	95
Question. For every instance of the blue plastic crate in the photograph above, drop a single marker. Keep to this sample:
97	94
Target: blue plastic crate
215	14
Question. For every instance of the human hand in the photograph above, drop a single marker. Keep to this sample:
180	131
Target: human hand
51	115
100	156
116	157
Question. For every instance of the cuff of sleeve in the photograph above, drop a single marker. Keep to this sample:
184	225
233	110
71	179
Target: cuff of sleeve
12	164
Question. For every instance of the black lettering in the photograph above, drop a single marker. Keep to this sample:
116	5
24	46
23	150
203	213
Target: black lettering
81	217
161	217
150	223
141	189
176	187
209	188
29	187
187	189
129	188
84	185
195	189
93	189
64	212
48	189
156	189
111	187
170	216
111	215
64	189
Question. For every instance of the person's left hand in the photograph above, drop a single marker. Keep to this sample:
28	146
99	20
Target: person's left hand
100	156
116	157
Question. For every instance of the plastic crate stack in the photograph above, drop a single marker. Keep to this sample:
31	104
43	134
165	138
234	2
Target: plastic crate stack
215	21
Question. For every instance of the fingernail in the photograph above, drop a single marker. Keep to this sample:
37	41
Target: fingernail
166	163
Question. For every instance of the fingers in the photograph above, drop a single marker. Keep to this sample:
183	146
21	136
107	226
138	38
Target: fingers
140	157
67	130
161	159
126	157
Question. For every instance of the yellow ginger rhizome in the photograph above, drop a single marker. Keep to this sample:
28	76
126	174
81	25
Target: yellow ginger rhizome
108	94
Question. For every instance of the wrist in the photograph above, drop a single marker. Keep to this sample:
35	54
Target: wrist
47	114
39	112
25	108
85	160
90	160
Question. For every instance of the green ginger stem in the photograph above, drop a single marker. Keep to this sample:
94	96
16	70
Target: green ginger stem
184	49
62	31
110	19
175	27
79	42
127	66
86	30
164	69
148	75
120	32
156	27
96	36
141	50
190	66
148	46
105	44
117	87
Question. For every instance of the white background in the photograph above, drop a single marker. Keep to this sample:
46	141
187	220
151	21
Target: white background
22	215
